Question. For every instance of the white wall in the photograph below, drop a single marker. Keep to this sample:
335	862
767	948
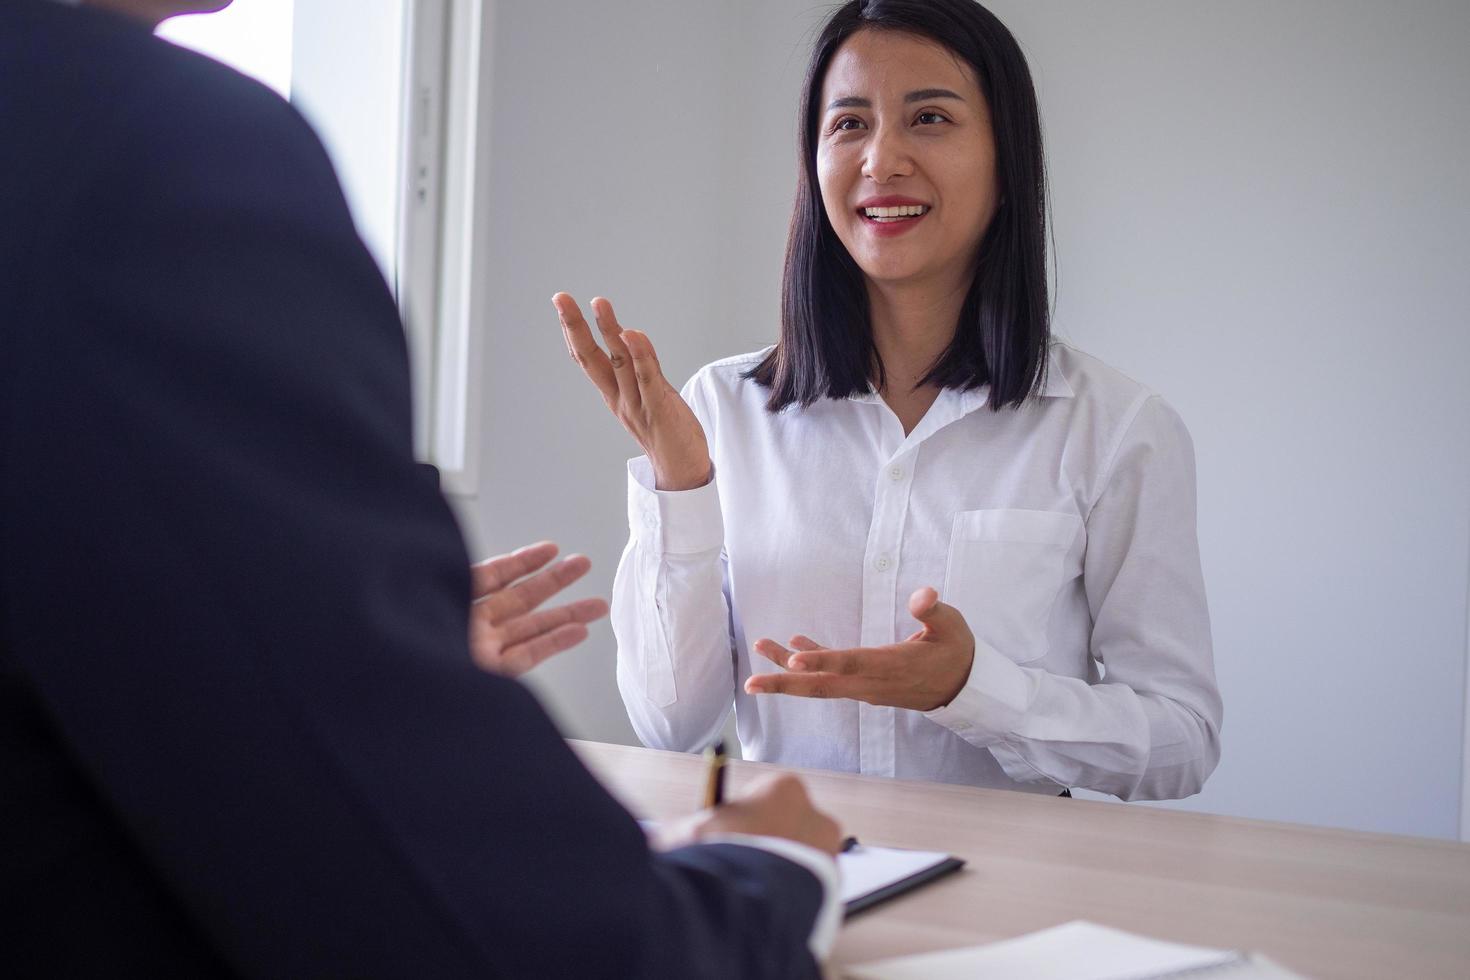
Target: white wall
634	154
346	65
253	38
1260	210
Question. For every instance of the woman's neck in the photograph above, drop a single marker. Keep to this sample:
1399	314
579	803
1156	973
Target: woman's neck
913	324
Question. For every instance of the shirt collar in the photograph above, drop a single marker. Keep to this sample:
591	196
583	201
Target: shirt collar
1057	385
970	399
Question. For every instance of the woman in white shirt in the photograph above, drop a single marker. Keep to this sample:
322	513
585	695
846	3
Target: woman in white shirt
980	543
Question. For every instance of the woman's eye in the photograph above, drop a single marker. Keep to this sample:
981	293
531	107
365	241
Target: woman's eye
930	118
847	122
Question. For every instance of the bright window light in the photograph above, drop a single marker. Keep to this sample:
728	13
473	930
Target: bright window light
253	37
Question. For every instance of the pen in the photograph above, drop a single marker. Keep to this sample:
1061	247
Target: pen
714	782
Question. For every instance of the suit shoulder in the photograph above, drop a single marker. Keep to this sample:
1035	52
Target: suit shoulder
199	137
110	92
104	65
200	110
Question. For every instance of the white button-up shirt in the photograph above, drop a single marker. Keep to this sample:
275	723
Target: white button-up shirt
1063	531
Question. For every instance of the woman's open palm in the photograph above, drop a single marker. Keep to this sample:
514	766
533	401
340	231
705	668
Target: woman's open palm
636	391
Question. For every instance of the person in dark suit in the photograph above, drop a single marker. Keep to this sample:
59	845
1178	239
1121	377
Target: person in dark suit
242	731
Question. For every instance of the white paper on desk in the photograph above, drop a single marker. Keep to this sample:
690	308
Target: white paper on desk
1075	951
866	869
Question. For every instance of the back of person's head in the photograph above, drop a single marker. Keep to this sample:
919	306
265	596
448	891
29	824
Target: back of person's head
826	346
153	12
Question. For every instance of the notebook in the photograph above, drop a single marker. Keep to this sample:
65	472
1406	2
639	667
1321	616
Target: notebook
875	874
1076	951
871	875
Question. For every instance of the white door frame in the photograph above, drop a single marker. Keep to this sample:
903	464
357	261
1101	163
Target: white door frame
1465	727
447	48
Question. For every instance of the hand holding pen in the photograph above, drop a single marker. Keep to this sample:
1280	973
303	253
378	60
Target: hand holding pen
775	807
714	775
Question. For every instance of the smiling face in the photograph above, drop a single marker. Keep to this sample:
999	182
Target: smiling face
906	159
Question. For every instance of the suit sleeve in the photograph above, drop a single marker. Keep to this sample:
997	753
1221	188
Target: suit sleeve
245	606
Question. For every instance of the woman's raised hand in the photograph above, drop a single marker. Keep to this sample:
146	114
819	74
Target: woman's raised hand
636	391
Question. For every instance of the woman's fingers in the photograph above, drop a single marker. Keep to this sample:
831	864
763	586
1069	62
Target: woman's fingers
653	387
773	651
940	620
922	602
805	653
798	685
825	661
584	350
636	391
617	351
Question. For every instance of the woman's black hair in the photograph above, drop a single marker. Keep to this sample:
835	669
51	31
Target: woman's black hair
826	346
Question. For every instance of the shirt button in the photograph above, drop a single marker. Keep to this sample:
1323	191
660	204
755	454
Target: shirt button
882	562
895	473
650	519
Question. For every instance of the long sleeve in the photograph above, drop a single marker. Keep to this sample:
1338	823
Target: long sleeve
243	608
1150	728
671	611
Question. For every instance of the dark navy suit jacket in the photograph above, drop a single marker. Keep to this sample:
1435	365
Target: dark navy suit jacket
240	732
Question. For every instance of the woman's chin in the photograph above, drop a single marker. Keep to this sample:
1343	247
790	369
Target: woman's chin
892	270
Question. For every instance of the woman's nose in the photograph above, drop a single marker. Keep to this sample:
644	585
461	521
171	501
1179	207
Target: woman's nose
887	156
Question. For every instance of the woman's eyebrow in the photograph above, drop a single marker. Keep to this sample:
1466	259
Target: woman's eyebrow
925	94
922	95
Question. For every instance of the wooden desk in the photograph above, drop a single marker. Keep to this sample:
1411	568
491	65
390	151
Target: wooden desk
1326	903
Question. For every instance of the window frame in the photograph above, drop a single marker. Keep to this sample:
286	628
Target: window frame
442	132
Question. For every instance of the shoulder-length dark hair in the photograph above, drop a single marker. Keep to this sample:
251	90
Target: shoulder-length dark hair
826	346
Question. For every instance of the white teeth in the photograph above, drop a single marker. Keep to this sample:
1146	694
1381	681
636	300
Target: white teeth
894	214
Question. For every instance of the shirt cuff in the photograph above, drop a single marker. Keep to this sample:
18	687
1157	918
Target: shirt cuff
824	866
673	522
991	705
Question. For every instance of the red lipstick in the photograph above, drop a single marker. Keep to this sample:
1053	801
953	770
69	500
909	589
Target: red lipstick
889	226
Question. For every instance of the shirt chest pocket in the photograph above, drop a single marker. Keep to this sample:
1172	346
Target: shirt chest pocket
1003	573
